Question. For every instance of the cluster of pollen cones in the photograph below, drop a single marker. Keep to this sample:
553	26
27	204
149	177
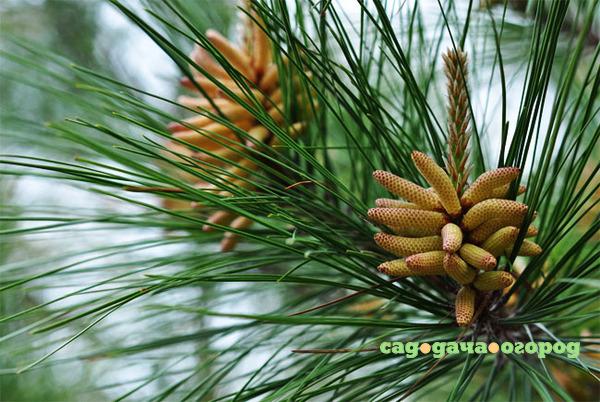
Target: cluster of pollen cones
242	74
439	232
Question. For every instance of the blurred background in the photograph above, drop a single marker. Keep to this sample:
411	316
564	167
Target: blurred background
95	35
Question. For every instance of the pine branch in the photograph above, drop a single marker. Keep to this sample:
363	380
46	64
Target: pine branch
134	247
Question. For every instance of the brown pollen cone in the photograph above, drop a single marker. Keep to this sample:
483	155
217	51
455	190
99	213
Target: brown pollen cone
224	132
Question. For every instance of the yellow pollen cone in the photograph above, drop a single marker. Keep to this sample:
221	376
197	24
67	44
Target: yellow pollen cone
528	249
212	137
209	87
477	257
488	228
222	156
390	203
495	280
500	240
427	221
276	97
483	187
218	218
439	180
395	268
531	231
259	134
270	79
262	49
232	53
493	208
457	269
464	306
407	231
403	246
243	169
406	190
502	191
231	239
204	60
452	238
430	259
200	103
399	268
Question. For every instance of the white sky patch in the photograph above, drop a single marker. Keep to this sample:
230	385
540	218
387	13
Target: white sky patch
140	57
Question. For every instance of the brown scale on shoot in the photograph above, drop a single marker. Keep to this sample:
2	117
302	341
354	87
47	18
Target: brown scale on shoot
218	95
445	230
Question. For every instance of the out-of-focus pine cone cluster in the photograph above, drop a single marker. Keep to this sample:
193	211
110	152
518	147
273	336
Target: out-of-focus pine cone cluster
256	79
439	232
